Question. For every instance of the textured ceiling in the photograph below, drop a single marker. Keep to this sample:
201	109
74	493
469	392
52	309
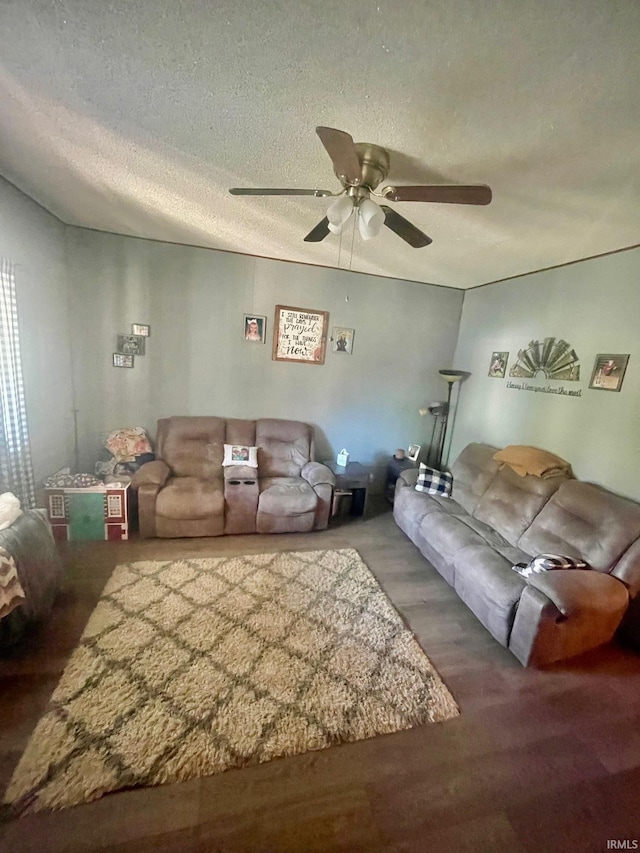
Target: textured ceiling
136	116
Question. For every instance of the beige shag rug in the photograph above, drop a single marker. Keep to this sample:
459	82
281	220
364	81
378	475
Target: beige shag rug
190	667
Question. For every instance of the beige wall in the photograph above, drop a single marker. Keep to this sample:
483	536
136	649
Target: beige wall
595	306
34	241
198	362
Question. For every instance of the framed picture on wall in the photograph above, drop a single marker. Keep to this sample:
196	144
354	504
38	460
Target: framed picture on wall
131	344
122	359
413	452
254	328
608	371
498	364
342	339
299	334
140	329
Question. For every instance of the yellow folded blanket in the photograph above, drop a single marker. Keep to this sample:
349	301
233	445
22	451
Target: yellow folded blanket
531	460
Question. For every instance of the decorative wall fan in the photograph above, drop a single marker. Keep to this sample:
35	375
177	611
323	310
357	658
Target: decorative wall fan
361	167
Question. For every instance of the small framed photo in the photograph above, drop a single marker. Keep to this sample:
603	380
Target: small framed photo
498	365
608	371
122	359
413	452
255	328
131	344
140	329
342	340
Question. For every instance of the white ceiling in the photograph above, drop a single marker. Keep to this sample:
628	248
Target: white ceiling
136	116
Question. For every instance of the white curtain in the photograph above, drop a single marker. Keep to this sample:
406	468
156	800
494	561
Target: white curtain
16	470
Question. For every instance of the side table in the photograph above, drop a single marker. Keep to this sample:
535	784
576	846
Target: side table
394	469
352	477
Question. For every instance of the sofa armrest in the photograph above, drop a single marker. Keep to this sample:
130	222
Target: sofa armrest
315	473
408	477
565	613
580	591
153	473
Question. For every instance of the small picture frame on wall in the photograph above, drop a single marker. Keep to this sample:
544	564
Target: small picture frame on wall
122	359
498	365
608	371
254	328
130	344
413	452
342	339
140	329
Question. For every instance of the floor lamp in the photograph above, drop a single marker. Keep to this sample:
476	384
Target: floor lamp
439	412
450	377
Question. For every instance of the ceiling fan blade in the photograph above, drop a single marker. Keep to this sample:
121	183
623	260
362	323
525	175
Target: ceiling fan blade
443	193
319	232
403	228
278	191
342	150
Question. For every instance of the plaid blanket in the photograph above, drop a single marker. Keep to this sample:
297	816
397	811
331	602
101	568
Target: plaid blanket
11	592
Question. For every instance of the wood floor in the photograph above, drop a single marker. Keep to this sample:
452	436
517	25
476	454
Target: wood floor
538	760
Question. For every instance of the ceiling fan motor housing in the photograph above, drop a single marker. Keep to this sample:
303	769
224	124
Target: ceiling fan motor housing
374	166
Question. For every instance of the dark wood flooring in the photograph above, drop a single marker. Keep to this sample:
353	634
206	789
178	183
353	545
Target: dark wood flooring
538	760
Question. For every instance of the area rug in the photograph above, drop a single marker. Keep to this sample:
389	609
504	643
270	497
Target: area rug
191	667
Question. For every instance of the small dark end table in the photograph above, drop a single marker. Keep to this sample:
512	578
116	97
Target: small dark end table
352	477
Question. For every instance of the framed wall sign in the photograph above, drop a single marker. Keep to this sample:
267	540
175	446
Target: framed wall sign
122	359
299	334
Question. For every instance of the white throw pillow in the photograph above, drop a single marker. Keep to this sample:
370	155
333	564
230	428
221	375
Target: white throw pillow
240	454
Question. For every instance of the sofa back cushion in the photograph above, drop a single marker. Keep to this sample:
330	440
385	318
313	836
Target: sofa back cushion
472	472
241	432
583	520
284	447
192	446
511	502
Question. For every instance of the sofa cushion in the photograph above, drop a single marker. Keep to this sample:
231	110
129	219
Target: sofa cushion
511	502
286	496
472	472
490	589
190	498
410	507
447	534
192	446
284	447
583	520
433	482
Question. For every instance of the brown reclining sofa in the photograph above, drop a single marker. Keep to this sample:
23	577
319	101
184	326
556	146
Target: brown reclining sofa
495	518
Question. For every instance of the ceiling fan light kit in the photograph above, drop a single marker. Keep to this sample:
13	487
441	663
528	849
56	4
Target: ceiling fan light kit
361	167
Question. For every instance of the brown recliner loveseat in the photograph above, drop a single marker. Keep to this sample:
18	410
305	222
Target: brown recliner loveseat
187	491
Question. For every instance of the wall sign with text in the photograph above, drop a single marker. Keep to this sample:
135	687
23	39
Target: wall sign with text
300	334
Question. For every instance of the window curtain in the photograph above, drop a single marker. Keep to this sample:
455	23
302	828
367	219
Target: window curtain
16	471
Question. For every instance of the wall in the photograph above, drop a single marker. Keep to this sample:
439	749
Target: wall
34	241
198	362
595	306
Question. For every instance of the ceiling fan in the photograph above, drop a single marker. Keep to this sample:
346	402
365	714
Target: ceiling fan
361	167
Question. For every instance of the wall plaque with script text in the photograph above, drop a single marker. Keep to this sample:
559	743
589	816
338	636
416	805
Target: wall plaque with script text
300	334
